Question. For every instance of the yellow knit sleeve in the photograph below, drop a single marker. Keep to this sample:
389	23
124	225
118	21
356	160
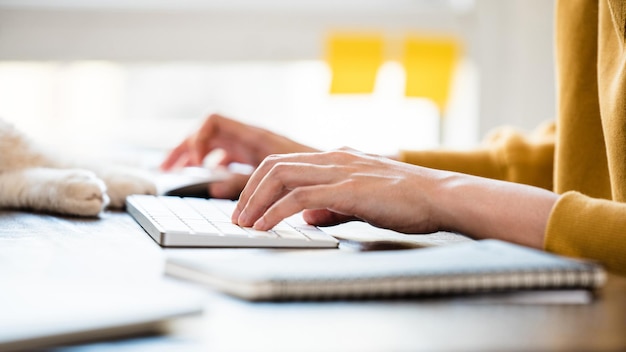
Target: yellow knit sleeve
584	227
505	154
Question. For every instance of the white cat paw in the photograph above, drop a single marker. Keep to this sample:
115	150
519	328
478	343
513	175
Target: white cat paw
122	182
80	192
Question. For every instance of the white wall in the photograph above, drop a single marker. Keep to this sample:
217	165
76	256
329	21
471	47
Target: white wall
513	46
509	41
203	30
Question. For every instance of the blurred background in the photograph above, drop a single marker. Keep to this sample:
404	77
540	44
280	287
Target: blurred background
119	77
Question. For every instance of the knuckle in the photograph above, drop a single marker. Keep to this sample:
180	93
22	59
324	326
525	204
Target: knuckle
279	170
213	118
347	149
346	204
270	160
337	154
350	185
300	196
273	157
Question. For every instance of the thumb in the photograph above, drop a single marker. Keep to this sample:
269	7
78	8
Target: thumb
324	217
229	188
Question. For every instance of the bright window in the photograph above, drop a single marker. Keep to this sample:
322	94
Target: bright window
113	106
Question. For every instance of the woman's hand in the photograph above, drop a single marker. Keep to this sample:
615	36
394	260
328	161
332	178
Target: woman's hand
337	186
241	143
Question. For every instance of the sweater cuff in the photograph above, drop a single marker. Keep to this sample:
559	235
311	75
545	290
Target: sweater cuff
584	227
475	162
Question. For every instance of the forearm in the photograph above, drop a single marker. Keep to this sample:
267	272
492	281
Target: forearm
484	208
505	154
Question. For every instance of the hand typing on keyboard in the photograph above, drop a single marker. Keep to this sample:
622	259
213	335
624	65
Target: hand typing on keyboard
240	143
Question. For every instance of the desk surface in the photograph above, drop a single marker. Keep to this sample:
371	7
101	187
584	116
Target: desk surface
38	246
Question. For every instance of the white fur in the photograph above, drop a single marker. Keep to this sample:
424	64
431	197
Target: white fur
33	179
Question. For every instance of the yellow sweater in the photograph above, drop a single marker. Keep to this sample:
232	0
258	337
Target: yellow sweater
584	158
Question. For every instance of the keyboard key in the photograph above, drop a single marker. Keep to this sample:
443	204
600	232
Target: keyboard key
208	210
203	227
230	229
173	225
225	205
260	234
313	233
290	234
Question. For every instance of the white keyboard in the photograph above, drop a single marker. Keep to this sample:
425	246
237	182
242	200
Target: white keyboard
199	222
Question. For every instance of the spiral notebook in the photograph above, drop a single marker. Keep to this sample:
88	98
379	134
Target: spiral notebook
465	268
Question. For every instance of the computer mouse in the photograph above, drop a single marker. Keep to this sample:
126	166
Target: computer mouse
198	190
189	182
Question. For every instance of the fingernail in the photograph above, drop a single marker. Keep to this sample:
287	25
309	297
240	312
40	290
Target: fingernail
259	224
242	219
235	217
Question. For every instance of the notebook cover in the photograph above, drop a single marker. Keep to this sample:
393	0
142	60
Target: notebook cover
479	266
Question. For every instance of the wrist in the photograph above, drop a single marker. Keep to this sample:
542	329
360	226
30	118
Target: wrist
448	201
486	208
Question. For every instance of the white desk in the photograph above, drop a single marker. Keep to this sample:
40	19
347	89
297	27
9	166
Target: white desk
34	247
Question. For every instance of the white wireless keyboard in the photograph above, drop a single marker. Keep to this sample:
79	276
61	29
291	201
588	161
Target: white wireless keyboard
199	222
